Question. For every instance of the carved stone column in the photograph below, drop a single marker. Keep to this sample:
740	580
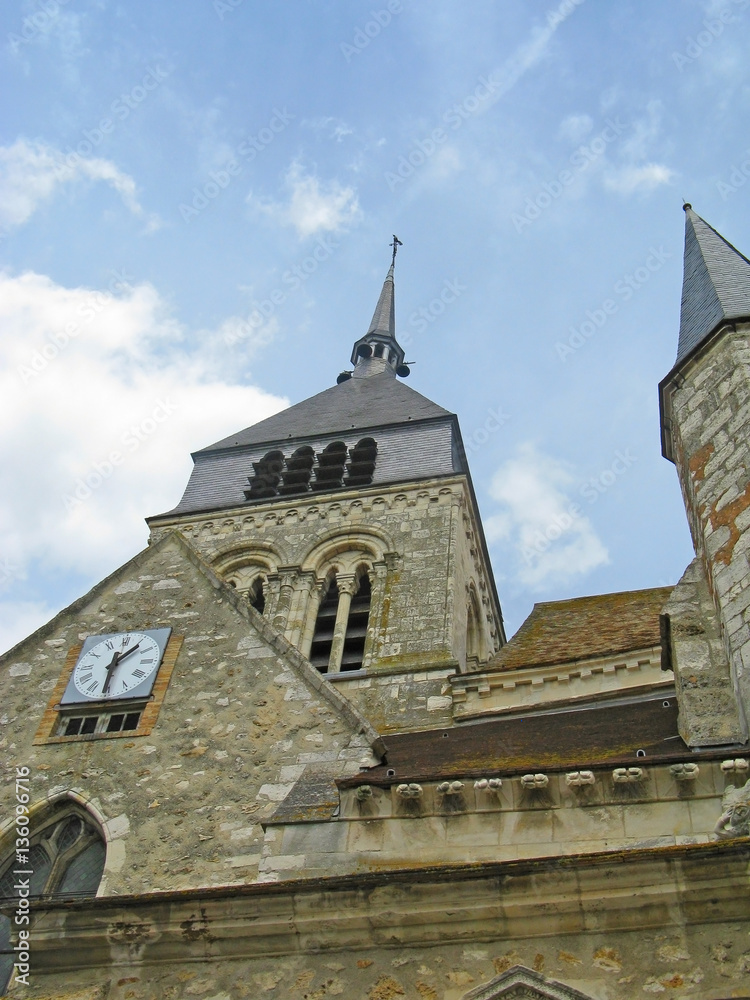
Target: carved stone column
288	579
316	596
375	632
347	585
303	592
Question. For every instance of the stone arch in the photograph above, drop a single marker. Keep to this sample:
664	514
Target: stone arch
520	983
247	568
53	812
370	542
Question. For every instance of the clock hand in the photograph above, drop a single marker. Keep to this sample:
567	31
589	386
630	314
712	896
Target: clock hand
110	670
121	656
116	660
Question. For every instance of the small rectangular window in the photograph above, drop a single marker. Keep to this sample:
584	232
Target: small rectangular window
131	720
89	724
73	727
114	725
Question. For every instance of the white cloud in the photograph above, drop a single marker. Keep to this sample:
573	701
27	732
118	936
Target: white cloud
31	172
575	128
333	128
629	179
123	385
539	520
314	206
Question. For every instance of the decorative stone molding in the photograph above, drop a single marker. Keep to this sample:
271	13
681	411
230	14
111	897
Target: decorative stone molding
450	787
738	765
534	782
576	779
684	772
735	817
520	983
627	775
410	791
488	784
363	793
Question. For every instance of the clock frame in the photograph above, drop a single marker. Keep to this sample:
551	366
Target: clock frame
116	666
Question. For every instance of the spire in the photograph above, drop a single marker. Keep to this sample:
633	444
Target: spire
716	283
379	351
384	317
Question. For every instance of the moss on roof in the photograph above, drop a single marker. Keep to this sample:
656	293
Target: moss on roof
585	627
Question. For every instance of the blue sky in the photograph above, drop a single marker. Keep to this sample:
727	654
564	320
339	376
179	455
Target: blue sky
196	202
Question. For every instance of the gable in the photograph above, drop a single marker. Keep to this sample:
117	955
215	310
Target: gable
242	719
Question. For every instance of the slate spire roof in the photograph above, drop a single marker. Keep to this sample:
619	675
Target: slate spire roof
716	284
370	396
384	317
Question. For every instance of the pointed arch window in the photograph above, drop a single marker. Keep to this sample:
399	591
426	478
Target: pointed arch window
361	465
329	473
67	856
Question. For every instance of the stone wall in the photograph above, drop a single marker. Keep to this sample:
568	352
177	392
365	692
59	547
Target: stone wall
710	405
244	716
651	923
421	541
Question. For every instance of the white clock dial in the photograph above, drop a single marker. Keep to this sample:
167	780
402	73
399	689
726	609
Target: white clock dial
116	665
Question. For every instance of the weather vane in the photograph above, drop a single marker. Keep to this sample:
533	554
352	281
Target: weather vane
396	244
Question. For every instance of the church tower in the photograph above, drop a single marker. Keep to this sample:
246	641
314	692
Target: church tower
705	410
349	521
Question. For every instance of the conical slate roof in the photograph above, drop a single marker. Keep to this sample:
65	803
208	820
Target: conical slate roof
716	283
358	403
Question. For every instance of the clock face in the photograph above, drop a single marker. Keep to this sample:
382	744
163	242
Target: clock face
117	666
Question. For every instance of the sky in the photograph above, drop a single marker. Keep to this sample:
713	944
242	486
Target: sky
196	202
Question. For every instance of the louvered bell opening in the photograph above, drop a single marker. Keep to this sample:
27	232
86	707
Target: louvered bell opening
361	465
329	473
356	627
265	482
296	477
320	651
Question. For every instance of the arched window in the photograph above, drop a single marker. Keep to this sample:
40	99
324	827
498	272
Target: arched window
320	651
379	350
338	642
256	595
297	472
356	626
66	856
329	473
265	482
474	651
361	465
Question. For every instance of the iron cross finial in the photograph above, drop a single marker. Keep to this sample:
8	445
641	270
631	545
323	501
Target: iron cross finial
396	244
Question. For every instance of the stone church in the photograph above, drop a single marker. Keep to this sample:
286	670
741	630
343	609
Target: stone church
288	752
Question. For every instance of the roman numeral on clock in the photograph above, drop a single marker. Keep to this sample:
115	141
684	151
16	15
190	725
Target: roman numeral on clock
140	674
92	687
85	678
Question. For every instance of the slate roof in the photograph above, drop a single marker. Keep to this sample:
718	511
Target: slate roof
716	283
605	735
360	403
585	627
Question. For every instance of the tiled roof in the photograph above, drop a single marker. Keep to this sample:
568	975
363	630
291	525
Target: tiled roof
585	627
358	403
716	283
581	738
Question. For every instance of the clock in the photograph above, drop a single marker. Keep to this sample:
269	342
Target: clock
117	666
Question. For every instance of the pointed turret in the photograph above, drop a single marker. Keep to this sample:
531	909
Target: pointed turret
705	402
716	284
379	351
